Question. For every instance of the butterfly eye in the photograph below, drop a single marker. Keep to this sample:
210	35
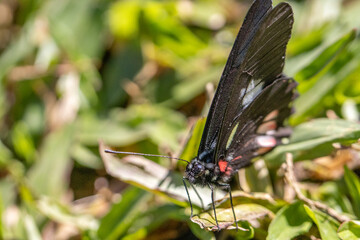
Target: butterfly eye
198	169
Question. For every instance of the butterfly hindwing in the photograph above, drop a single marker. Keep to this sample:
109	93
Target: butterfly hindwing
275	97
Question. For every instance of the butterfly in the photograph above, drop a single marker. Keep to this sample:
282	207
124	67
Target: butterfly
253	94
252	100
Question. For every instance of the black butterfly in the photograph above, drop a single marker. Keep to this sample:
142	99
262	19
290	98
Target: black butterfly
252	95
252	100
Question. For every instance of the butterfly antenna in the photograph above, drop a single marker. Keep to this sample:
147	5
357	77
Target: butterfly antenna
144	154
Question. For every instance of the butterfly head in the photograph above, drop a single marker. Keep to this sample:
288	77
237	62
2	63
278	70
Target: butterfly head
200	172
195	170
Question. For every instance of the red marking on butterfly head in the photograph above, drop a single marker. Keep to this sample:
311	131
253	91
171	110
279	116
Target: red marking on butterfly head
223	165
225	168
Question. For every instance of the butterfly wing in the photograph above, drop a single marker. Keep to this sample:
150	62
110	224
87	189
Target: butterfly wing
251	88
244	144
251	23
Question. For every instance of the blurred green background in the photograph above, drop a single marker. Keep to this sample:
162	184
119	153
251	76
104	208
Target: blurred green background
134	74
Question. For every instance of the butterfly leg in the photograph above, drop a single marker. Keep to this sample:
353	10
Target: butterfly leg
187	192
213	205
227	186
232	206
198	195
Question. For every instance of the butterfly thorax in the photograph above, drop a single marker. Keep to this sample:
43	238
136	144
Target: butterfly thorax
202	171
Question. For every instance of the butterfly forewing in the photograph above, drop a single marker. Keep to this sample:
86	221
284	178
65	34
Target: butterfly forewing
266	55
252	22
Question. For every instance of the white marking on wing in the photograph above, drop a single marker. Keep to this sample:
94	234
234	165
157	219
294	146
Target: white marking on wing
254	89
